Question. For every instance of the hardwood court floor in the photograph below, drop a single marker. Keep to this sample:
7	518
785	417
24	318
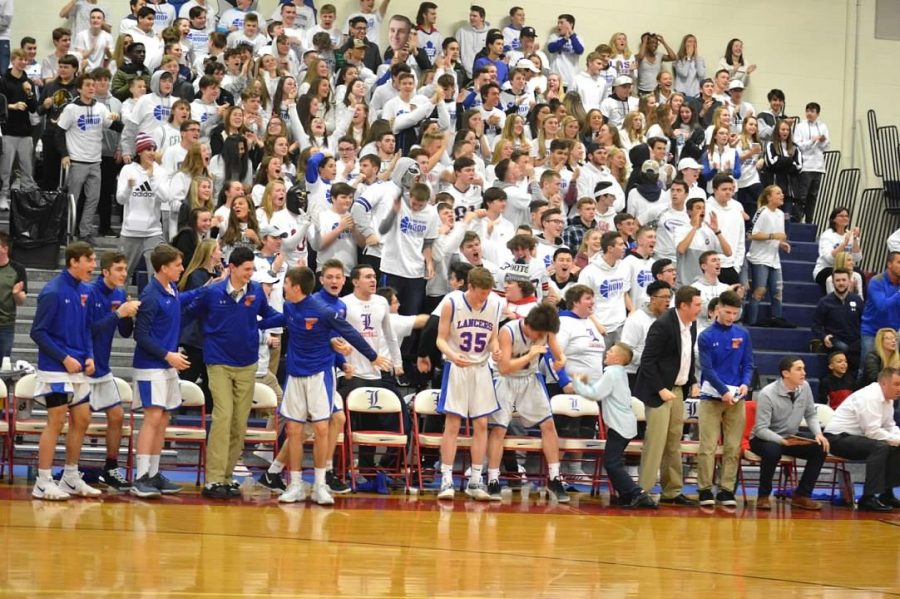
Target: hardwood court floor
184	546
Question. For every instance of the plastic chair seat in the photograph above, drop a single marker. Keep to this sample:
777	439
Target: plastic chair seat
571	444
261	435
375	438
527	443
185	433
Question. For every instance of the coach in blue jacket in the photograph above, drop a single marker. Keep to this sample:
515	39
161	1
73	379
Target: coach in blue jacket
726	370
229	311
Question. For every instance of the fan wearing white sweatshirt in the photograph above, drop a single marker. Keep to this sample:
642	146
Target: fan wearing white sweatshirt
141	191
149	113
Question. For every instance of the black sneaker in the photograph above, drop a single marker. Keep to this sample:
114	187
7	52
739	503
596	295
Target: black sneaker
113	479
494	490
336	485
234	488
707	498
556	487
165	486
725	498
273	482
889	500
678	501
641	500
215	491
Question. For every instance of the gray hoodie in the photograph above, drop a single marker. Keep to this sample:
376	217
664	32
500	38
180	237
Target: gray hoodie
149	113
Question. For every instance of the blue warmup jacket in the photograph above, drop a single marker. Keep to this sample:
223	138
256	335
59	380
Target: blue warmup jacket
60	326
231	329
311	325
158	323
882	305
340	308
104	322
726	357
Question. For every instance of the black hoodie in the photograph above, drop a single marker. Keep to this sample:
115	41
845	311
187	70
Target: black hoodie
18	123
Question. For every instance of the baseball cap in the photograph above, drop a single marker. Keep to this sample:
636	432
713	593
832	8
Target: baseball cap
527	32
600	189
264	276
622	80
357	43
526	64
688	163
650	167
272	231
735	84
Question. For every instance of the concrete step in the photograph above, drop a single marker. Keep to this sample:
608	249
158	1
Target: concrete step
807	251
796	270
799	314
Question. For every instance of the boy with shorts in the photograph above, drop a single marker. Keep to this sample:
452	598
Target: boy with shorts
156	365
110	310
65	355
310	389
467	336
523	394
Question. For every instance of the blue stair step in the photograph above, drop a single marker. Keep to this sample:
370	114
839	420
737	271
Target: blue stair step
784	340
801	232
796	270
802	293
767	362
802	251
799	314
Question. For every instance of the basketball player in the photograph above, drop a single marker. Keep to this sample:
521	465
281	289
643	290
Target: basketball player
156	365
110	310
309	393
467	335
65	355
522	393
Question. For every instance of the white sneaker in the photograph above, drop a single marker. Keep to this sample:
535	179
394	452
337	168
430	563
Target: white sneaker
75	485
295	492
447	491
49	490
477	491
322	496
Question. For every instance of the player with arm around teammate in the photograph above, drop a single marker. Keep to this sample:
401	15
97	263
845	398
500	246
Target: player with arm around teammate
522	393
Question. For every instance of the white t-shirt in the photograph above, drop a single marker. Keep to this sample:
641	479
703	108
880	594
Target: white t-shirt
343	248
610	284
640	275
371	319
766	251
583	345
403	244
101	43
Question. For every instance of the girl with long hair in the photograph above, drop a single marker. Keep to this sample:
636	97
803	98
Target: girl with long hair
783	165
232	124
242	229
623	59
720	157
750	150
767	239
838	237
690	68
232	163
733	62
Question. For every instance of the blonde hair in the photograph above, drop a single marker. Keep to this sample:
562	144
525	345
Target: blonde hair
764	196
266	202
199	260
612	44
892	361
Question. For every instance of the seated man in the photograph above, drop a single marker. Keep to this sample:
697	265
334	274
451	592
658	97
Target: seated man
838	318
781	406
863	428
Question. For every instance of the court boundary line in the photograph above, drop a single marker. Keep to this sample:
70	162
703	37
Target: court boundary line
562	559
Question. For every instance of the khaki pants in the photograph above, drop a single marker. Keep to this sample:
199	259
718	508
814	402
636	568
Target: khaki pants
662	447
232	391
718	419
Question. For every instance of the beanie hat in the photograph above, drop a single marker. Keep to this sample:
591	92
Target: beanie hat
144	142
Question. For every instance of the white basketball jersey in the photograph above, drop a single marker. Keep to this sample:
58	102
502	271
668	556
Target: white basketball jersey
521	345
471	327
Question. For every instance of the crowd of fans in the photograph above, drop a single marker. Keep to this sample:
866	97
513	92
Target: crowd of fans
580	175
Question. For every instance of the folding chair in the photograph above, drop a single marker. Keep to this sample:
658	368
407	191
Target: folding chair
575	406
425	404
838	465
191	397
5	432
376	401
264	398
787	471
19	425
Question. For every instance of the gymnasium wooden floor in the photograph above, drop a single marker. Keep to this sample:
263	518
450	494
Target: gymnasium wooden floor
410	546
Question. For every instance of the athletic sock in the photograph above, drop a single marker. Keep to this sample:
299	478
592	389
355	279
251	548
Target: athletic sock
319	476
447	473
553	470
142	465
70	471
329	466
45	475
154	465
493	474
276	467
476	475
296	477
